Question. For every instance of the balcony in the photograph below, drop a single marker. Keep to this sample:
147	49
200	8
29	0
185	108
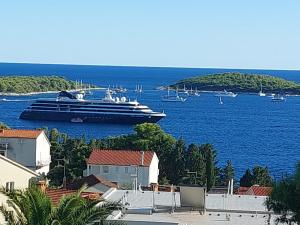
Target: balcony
3	146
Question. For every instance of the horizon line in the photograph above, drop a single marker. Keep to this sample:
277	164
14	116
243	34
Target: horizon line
147	66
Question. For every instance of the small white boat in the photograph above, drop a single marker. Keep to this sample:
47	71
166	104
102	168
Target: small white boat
226	94
261	93
278	98
76	120
183	91
220	100
194	92
172	98
138	89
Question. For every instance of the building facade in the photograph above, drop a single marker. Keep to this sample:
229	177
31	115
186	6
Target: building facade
13	176
124	167
30	148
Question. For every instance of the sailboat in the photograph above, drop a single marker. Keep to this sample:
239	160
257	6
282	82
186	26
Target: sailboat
172	98
260	93
220	100
184	90
138	89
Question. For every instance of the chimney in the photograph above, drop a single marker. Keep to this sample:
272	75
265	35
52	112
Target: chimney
42	185
142	157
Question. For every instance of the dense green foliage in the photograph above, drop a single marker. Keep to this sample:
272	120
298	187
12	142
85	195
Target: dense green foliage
33	207
258	176
285	198
176	160
239	82
27	84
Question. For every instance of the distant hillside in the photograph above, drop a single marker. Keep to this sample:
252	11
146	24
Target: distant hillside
239	82
30	84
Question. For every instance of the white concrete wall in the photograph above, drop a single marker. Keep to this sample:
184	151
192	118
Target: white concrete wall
236	202
153	170
119	175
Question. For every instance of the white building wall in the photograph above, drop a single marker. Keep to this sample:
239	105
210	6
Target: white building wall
153	170
12	172
29	152
43	157
21	150
120	174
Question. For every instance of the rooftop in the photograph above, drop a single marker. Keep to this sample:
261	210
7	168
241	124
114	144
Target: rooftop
120	157
254	190
12	133
56	194
90	180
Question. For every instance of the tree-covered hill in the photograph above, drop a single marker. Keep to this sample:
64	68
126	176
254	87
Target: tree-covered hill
239	82
28	84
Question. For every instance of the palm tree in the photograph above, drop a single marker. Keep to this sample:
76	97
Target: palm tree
33	207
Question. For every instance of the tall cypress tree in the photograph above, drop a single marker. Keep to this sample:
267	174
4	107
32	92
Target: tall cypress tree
210	162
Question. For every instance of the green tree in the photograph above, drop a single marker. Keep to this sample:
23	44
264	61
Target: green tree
258	176
176	166
285	198
262	176
210	165
33	207
227	173
247	179
195	163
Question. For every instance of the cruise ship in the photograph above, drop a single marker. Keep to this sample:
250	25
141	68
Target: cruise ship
74	108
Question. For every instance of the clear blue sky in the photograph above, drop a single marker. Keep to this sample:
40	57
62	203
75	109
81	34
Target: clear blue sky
191	33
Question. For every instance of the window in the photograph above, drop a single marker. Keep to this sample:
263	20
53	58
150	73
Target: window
3	153
126	169
10	186
117	169
105	169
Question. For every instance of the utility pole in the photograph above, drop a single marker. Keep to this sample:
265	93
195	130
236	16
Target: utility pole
64	165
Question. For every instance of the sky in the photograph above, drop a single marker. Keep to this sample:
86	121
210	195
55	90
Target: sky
192	33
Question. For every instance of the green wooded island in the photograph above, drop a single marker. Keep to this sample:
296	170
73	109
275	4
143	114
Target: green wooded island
36	84
240	82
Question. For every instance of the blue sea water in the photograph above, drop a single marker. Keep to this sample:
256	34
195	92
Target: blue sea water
249	130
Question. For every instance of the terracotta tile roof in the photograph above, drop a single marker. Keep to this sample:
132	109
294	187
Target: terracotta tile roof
242	190
259	191
56	194
255	190
90	181
11	133
119	157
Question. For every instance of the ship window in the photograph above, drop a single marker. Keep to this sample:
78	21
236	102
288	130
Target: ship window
105	169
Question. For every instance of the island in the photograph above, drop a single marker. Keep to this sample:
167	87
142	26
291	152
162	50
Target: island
239	82
25	85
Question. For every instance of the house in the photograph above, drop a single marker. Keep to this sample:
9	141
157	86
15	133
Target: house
13	176
124	167
93	183
30	148
255	190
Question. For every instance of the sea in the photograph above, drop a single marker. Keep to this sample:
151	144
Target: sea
248	130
